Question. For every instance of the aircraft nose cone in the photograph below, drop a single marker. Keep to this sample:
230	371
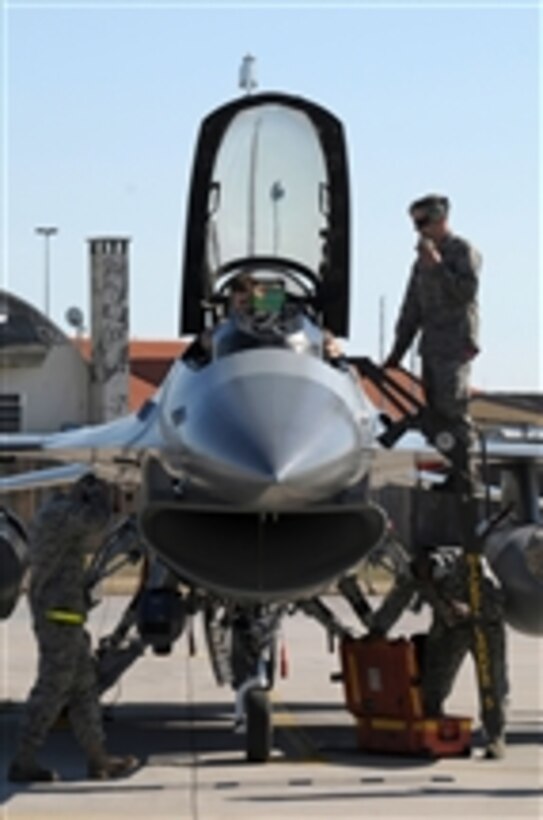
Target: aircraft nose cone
271	439
269	430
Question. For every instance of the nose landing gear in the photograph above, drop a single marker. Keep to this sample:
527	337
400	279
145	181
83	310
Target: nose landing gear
258	724
242	643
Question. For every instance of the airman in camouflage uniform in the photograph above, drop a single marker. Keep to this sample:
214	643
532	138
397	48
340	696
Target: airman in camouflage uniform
440	302
440	578
59	539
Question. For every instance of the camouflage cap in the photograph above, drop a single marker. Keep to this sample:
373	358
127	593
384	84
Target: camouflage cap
93	494
435	206
88	486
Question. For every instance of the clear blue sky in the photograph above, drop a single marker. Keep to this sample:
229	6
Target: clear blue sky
102	102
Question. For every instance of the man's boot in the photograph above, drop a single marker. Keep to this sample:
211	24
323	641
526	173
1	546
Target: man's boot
27	770
107	767
495	749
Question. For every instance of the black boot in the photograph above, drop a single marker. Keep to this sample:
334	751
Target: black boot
495	749
108	767
30	772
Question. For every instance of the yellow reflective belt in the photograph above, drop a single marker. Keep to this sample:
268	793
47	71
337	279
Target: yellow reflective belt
63	616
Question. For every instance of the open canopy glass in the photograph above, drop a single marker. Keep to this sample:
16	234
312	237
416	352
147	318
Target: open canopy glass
269	192
269	196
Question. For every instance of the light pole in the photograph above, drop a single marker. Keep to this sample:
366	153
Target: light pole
47	233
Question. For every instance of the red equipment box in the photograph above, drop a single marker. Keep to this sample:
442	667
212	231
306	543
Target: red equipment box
382	690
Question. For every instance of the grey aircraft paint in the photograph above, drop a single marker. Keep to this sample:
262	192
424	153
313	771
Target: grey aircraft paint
272	448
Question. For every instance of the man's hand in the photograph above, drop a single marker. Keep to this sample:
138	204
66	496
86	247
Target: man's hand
427	253
392	360
332	348
456	613
460	609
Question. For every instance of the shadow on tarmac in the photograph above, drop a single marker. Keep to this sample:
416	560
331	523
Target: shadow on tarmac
182	735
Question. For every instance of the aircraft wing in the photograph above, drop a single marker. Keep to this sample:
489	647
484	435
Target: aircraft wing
413	454
114	451
504	449
38	479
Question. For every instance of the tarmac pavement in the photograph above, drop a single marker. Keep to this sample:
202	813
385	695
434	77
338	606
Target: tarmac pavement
170	713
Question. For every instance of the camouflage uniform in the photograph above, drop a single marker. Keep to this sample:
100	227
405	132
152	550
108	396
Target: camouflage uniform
440	302
66	676
450	636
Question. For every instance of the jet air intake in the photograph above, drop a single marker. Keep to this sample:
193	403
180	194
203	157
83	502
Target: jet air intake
262	557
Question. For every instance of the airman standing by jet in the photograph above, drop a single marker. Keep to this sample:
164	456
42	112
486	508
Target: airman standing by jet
440	578
59	539
440	302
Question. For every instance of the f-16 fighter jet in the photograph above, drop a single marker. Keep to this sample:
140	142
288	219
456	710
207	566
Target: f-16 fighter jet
253	459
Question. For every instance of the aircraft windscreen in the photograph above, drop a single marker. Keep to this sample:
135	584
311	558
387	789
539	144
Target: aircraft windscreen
269	190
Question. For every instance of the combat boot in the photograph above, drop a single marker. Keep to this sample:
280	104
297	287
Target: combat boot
29	771
107	767
495	749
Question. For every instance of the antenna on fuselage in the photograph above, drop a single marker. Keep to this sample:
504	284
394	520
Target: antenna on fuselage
247	78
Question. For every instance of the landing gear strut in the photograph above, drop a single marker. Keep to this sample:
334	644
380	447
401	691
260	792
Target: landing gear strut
253	665
242	645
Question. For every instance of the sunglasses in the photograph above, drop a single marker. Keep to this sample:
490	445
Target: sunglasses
422	221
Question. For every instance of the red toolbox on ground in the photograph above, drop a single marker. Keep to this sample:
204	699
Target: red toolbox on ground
382	690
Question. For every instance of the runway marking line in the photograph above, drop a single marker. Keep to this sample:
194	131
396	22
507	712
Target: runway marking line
285	720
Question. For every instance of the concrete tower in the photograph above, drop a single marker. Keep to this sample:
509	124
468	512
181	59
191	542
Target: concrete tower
109	327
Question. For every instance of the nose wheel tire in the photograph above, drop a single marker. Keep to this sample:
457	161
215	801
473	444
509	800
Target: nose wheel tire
259	725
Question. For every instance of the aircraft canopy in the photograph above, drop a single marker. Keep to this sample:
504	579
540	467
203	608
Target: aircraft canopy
269	195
